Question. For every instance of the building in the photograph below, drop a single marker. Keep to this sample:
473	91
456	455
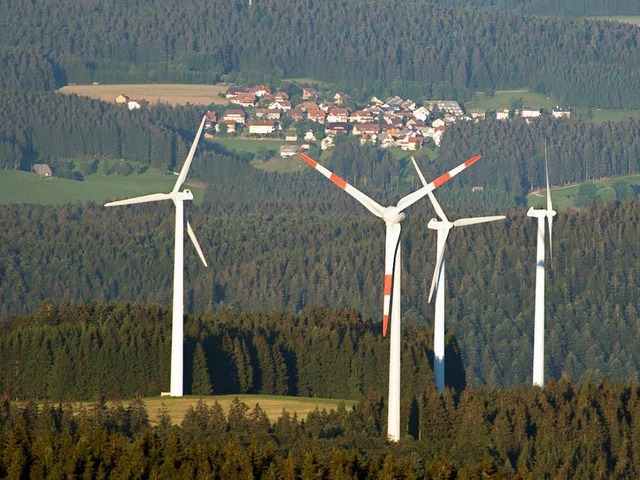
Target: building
42	169
261	127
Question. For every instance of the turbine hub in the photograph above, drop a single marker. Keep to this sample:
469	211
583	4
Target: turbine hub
393	215
184	195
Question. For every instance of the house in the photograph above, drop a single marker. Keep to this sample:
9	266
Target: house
310	136
422	114
280	105
478	114
336	128
281	96
446	106
260	90
530	112
122	99
244	99
561	112
261	127
309	93
338	115
326	142
438	133
341	98
503	114
42	169
307	106
228	126
133	105
234	90
235	115
288	150
326	106
296	114
267	113
212	118
409	142
385	140
361	116
365	129
318	116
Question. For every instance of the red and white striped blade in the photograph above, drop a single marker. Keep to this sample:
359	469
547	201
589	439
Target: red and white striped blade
187	163
392	244
370	204
434	202
418	194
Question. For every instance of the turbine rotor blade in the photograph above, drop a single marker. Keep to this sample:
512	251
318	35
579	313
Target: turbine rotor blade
438	268
392	242
194	240
430	187
187	163
432	197
476	220
550	212
154	197
370	204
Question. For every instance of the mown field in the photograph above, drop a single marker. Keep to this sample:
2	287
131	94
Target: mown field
178	94
27	187
273	405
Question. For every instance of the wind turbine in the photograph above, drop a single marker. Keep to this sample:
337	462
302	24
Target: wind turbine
178	198
443	226
538	334
392	217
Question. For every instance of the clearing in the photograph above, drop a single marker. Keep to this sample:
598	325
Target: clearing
173	94
27	187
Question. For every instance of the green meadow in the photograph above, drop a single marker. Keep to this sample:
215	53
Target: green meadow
26	187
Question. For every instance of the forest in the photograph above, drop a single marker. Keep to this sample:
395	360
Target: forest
564	431
281	256
292	301
416	48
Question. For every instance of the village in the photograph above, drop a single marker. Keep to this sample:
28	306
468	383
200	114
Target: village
257	112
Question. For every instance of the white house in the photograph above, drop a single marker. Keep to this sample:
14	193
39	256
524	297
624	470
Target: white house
261	127
530	112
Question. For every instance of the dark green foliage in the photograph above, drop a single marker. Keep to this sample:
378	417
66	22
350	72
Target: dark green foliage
85	351
565	431
417	48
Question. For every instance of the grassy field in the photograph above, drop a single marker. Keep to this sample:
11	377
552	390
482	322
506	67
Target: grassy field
26	187
508	98
273	405
178	94
565	197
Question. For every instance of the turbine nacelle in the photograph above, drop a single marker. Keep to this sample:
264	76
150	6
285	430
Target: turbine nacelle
393	215
183	195
435	224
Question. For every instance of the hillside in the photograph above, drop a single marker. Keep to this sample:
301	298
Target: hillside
437	51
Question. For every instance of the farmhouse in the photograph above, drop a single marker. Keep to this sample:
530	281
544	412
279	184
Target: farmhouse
122	99
235	115
530	112
288	151
503	114
261	127
561	112
338	115
244	99
42	169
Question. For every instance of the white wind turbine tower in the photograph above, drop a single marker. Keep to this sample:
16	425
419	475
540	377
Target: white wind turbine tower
178	198
538	335
392	217
443	226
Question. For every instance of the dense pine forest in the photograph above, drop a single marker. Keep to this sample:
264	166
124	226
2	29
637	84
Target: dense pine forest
291	303
415	48
565	431
285	257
